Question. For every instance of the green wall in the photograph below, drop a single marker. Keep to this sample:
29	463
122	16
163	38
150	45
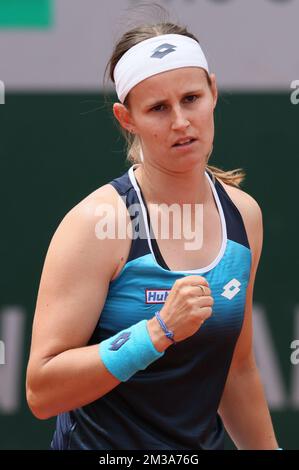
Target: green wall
57	148
25	13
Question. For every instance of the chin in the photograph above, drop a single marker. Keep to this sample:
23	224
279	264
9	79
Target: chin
188	162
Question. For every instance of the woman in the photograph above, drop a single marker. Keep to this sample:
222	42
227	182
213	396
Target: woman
141	342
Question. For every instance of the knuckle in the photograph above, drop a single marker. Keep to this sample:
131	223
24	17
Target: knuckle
179	282
209	311
206	312
203	280
185	292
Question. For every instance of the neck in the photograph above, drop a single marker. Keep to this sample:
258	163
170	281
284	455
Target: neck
162	185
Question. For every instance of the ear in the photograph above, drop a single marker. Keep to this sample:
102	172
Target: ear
123	116
214	88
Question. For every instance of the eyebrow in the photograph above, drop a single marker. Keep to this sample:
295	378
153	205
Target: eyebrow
157	103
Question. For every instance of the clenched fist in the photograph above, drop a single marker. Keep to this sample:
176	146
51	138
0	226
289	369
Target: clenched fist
188	305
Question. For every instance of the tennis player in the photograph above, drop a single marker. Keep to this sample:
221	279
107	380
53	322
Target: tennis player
141	341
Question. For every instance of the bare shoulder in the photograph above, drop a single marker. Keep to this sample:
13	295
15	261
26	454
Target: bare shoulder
246	204
105	194
251	214
83	217
91	228
77	271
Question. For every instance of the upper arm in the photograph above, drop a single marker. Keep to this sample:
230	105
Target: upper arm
252	217
74	282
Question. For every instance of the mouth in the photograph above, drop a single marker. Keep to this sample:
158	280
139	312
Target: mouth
186	144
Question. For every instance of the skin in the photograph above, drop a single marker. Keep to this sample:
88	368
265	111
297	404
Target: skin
79	267
158	129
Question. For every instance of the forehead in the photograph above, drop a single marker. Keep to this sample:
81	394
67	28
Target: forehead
173	81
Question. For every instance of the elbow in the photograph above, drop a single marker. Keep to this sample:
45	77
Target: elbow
35	409
36	401
35	406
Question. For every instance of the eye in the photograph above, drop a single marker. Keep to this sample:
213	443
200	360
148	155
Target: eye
191	96
192	100
157	108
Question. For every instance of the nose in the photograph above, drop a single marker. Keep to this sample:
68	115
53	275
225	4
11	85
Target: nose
179	119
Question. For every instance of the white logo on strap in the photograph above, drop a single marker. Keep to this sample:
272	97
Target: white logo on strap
231	289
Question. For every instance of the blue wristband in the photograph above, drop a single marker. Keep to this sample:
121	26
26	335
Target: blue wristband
167	332
129	351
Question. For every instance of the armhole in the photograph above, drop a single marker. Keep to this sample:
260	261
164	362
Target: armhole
245	241
120	200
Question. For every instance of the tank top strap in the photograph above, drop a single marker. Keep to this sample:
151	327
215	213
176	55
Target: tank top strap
139	246
234	222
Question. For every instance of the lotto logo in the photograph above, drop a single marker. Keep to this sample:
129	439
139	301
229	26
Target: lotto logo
231	289
163	50
120	341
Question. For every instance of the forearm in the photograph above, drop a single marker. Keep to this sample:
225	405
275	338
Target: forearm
245	412
67	381
76	377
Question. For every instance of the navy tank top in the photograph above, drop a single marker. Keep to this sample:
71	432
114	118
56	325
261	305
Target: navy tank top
173	403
